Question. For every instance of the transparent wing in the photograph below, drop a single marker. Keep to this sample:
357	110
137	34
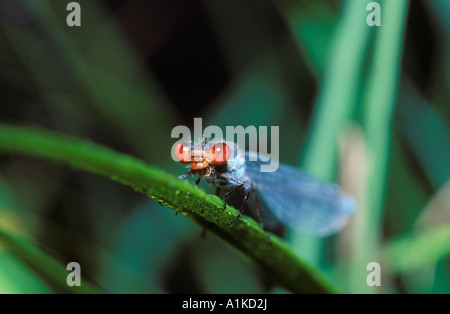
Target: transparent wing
299	200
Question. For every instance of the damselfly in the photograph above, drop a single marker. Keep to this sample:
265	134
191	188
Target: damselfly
295	198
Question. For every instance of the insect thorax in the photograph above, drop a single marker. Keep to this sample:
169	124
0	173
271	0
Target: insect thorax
236	164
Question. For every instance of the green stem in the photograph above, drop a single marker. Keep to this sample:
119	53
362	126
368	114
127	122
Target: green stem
379	103
336	103
274	256
337	98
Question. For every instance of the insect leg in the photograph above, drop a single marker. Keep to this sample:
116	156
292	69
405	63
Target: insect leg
241	210
198	180
237	184
186	175
217	191
226	196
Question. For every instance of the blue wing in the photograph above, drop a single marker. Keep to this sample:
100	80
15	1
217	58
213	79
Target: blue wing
299	200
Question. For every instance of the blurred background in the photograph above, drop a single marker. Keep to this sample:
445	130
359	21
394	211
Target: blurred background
367	107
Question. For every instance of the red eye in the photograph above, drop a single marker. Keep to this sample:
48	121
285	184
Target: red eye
220	153
182	152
